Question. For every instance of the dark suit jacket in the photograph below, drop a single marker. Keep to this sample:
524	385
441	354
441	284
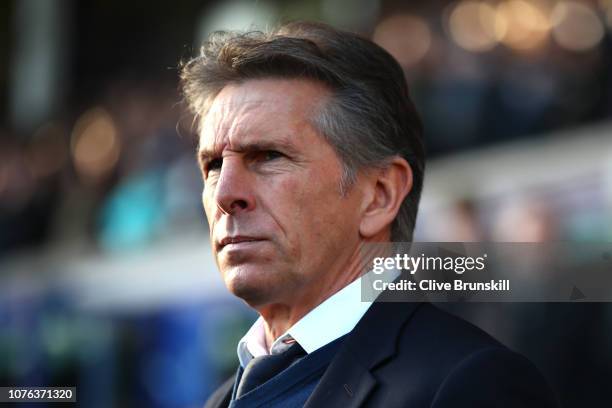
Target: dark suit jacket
415	355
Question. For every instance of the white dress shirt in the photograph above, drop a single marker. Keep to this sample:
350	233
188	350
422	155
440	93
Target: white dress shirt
330	320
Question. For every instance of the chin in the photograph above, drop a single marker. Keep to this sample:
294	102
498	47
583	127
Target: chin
250	286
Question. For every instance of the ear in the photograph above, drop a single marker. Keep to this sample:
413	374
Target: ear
390	186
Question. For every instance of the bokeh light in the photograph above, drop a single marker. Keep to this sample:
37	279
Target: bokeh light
95	144
522	25
576	26
406	37
474	26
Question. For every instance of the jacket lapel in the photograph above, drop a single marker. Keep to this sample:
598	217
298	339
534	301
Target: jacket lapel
345	383
348	380
223	395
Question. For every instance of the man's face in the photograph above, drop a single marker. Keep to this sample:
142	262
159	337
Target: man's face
280	228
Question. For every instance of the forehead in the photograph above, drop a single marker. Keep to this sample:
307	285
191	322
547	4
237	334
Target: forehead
262	108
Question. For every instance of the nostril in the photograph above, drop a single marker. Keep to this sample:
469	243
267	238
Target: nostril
242	204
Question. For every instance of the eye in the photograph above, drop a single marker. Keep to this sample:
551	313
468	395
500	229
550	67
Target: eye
214	165
268	155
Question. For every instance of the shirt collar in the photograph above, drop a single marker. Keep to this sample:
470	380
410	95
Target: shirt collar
330	320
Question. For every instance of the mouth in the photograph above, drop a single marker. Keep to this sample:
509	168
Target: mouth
238	240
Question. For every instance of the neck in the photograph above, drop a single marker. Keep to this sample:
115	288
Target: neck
281	315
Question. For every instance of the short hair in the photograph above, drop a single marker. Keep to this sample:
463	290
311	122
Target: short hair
369	117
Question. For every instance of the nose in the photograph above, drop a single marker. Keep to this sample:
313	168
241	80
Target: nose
233	189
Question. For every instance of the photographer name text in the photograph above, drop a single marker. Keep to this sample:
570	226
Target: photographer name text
429	285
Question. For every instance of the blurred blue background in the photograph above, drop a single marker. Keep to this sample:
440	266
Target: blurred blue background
107	281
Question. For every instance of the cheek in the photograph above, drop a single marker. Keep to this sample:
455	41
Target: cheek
315	207
208	208
292	203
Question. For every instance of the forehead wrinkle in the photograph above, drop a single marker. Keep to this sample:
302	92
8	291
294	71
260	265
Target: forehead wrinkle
235	116
234	127
220	122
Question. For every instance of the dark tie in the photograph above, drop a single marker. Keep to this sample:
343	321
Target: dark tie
261	369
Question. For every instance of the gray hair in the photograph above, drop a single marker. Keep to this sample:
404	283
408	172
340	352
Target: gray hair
369	118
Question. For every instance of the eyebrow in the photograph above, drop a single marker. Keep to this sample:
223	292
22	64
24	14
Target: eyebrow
206	154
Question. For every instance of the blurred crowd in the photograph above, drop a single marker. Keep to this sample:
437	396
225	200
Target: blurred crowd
119	175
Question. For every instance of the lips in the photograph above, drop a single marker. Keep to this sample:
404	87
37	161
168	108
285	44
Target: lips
236	240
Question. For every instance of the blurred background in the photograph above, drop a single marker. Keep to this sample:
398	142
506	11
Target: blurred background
107	281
